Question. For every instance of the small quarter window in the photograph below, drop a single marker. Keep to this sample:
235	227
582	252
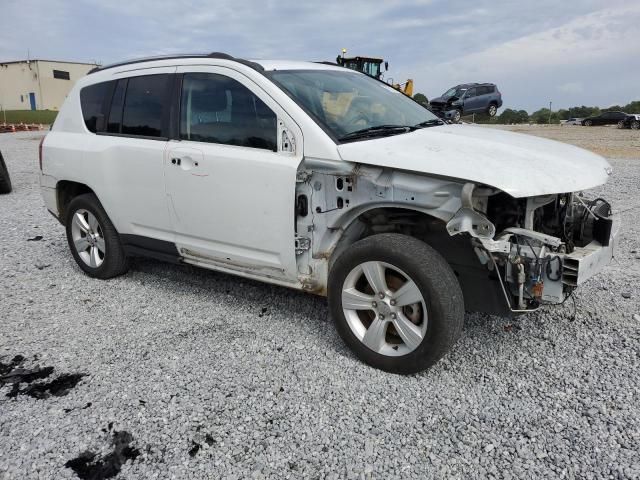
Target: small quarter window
219	109
144	105
61	74
92	99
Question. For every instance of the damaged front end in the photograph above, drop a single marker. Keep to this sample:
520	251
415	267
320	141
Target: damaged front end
540	248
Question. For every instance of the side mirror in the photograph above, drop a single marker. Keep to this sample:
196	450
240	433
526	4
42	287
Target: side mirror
339	60
386	66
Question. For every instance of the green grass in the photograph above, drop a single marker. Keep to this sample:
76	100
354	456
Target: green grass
46	117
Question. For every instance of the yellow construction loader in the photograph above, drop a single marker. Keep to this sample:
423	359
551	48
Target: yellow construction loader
372	66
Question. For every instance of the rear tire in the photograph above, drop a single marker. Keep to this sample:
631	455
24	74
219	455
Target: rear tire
418	317
93	240
492	110
587	123
621	124
5	179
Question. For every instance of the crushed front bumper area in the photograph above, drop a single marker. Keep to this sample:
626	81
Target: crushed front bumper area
533	270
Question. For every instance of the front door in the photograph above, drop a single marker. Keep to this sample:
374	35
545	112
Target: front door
230	181
471	100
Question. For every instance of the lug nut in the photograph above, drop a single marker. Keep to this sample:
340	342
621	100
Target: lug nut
374	304
381	295
381	317
392	302
393	316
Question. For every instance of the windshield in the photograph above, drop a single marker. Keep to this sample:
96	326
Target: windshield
347	102
454	92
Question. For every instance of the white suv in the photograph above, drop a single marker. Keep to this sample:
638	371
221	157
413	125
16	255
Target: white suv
323	179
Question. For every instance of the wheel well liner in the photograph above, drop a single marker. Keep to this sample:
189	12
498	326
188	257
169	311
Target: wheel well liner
480	287
66	191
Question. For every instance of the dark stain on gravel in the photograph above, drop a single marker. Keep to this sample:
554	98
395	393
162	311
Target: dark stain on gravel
7	367
57	387
90	466
195	448
37	238
15	373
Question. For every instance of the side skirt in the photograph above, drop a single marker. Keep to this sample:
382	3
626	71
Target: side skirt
139	246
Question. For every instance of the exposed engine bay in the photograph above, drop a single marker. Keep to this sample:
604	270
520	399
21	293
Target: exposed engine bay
544	246
510	254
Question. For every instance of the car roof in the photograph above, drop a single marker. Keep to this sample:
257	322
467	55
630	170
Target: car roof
216	58
469	85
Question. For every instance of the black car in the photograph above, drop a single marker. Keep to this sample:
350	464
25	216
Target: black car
5	181
467	98
632	120
605	118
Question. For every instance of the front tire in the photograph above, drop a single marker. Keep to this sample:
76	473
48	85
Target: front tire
635	125
395	302
457	115
93	240
5	180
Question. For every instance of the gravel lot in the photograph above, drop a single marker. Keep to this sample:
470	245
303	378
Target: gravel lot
175	372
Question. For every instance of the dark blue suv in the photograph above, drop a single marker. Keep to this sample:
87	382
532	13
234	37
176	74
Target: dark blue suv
467	98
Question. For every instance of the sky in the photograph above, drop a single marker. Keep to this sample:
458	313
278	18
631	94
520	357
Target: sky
578	52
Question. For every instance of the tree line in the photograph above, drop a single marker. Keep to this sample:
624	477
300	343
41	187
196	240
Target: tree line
543	115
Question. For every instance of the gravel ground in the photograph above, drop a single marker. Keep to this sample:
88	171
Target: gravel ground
608	141
175	372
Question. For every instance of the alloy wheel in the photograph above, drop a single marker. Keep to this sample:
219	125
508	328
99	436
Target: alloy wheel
384	308
88	238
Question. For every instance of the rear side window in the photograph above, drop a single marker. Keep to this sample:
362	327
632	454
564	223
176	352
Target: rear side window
92	101
219	109
144	105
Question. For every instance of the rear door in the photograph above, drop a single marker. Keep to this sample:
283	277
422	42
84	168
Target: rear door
125	159
231	175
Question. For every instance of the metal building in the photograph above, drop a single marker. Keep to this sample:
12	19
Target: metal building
38	84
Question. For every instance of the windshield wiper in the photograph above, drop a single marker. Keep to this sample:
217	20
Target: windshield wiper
377	131
429	123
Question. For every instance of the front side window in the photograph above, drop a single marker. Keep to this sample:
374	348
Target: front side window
218	109
345	102
92	99
144	105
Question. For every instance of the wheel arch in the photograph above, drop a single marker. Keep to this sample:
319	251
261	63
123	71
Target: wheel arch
376	218
67	190
481	291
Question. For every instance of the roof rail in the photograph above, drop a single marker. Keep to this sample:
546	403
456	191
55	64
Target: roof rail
220	55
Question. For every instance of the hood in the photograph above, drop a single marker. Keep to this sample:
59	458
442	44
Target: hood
440	100
520	165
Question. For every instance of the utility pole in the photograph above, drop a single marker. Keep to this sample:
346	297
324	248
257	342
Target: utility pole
549	113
